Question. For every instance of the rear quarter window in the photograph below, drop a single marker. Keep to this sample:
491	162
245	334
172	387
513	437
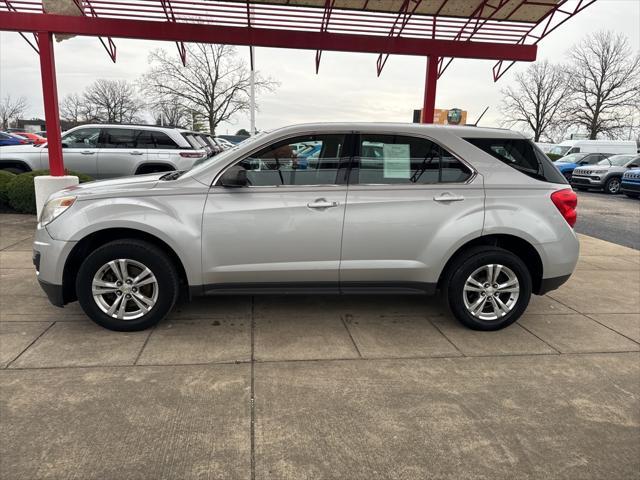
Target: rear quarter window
521	155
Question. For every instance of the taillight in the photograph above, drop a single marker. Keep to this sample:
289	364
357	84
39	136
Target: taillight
191	154
566	202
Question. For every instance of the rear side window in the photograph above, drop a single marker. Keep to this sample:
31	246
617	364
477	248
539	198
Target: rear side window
162	140
119	138
399	159
522	155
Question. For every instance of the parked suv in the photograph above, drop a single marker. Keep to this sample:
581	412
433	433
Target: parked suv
105	151
606	174
479	214
630	185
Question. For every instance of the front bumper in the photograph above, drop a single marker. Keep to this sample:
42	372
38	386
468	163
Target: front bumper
630	187
580	181
49	258
54	293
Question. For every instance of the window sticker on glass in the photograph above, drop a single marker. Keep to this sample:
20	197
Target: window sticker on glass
397	161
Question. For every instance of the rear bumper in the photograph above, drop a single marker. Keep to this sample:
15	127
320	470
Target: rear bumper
54	293
549	284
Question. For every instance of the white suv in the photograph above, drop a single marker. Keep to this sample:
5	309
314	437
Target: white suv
479	214
106	151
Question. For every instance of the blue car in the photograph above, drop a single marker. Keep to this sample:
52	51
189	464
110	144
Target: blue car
8	139
569	163
630	185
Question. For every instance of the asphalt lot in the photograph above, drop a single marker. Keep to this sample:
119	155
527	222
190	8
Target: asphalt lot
614	218
323	387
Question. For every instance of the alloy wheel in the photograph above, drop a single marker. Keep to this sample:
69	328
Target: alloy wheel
614	185
491	292
125	289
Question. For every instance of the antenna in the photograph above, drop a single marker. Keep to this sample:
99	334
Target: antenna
480	117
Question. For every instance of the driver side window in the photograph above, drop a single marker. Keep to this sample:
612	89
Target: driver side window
82	138
304	160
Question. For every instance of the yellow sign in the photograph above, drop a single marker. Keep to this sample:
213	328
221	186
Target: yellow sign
454	116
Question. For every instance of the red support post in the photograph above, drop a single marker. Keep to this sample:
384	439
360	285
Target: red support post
50	97
428	109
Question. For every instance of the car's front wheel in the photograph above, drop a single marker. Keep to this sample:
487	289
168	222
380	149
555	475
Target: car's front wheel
488	288
612	186
127	285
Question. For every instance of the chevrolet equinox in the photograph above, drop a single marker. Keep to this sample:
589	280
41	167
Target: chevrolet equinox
480	215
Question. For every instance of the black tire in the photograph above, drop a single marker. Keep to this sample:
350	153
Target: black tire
145	253
612	186
469	262
568	176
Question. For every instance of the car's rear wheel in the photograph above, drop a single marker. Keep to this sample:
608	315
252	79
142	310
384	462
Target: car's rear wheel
488	288
612	186
127	285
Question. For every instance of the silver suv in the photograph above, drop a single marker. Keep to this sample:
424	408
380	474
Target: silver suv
479	214
606	174
106	151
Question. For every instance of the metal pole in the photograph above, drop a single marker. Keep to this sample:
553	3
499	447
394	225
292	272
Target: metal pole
252	94
429	106
50	97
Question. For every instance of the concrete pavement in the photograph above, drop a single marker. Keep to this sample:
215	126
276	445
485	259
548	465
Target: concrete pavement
323	387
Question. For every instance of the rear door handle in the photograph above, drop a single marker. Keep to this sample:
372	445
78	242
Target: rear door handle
135	152
321	203
448	197
87	152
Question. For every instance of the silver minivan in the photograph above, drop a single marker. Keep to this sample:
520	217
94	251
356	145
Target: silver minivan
480	215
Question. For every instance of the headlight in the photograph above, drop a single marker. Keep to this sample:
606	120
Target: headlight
54	208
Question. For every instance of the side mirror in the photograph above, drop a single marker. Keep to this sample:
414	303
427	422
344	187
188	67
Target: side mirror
234	177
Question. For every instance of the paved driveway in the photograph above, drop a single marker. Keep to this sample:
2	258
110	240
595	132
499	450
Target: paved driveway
323	387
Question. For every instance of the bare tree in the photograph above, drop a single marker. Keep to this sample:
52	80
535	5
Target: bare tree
73	109
11	109
214	84
111	101
537	99
169	110
604	77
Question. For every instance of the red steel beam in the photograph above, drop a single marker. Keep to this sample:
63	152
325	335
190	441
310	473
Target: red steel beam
50	97
261	37
431	81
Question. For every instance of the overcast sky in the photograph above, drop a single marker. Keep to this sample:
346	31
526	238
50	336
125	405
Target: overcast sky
346	89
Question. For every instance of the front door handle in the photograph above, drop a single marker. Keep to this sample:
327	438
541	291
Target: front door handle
135	152
448	197
322	203
87	152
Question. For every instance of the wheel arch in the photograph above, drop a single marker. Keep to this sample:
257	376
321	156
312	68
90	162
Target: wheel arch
516	245
101	237
21	164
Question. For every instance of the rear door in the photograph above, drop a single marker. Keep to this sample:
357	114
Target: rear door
121	152
409	202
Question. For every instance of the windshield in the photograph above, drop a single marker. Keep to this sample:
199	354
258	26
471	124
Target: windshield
560	149
572	157
617	160
205	162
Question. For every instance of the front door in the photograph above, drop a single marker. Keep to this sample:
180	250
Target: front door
284	228
409	202
80	151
